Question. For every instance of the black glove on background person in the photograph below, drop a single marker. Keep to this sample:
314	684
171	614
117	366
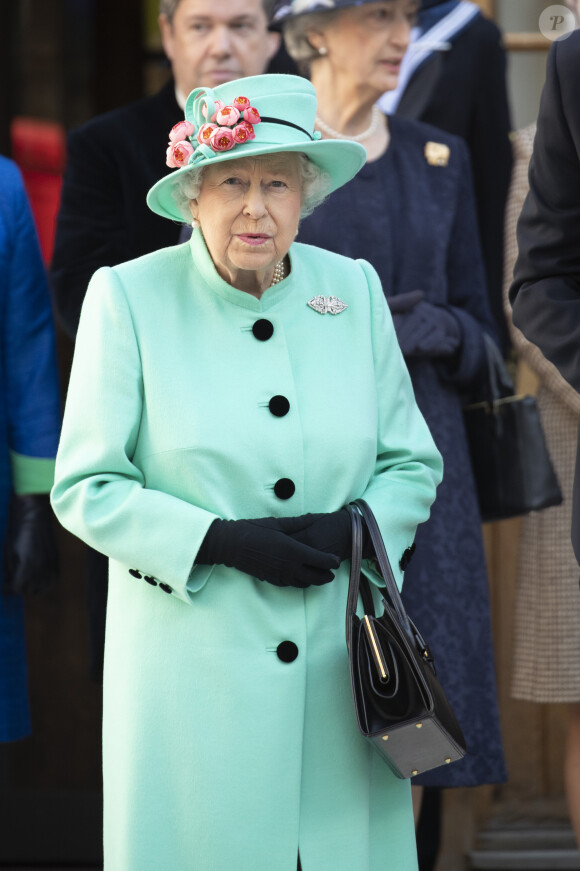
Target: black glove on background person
404	302
30	551
260	549
424	329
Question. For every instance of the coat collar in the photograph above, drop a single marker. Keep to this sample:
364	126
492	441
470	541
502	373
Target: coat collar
204	265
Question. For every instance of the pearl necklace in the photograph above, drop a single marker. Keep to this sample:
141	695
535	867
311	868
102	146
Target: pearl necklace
279	273
366	134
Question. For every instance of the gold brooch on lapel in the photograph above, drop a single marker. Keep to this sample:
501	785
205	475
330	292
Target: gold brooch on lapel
331	305
437	153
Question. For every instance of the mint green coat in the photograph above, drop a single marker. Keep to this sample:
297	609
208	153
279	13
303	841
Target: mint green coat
219	756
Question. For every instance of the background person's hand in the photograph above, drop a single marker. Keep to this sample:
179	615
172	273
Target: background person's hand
404	302
30	551
259	548
427	330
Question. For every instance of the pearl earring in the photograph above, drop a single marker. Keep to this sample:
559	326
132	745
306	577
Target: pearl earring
322	49
195	224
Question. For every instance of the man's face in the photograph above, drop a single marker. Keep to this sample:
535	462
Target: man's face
210	42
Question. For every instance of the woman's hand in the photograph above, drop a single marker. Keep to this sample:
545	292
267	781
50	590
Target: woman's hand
331	533
424	329
267	549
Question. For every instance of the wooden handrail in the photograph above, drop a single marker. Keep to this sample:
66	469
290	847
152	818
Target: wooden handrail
526	42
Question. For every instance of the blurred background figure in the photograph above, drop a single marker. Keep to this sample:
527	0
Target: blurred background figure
547	619
30	414
411	213
454	77
104	219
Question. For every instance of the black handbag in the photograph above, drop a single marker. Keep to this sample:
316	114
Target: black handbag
398	700
511	464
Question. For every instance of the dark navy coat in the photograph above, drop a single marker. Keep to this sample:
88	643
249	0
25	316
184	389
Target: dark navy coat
416	223
29	414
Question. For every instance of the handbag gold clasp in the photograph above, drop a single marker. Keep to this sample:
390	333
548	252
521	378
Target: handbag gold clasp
375	647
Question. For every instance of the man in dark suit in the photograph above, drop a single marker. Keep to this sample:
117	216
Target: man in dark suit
114	159
545	293
457	81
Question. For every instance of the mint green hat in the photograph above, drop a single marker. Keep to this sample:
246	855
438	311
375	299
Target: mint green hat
257	115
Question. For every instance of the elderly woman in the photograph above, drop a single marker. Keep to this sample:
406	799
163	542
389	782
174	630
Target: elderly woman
221	389
410	212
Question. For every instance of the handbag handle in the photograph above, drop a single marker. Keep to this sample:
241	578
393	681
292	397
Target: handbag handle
499	382
359	510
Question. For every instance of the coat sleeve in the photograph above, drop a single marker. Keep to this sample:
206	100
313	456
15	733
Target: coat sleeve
92	226
545	293
100	494
467	293
408	466
28	348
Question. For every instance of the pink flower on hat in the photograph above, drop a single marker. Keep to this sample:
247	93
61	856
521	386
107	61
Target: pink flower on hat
252	115
241	133
178	153
219	104
249	127
222	139
229	116
204	133
181	130
241	103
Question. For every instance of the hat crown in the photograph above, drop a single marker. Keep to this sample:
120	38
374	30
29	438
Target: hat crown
290	100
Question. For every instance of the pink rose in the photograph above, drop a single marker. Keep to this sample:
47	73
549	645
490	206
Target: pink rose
248	127
241	132
178	153
181	131
241	103
252	115
219	104
204	132
227	116
222	139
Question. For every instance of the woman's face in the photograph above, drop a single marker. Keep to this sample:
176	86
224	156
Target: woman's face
367	43
248	211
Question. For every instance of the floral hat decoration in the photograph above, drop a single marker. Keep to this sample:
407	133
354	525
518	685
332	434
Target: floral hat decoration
245	118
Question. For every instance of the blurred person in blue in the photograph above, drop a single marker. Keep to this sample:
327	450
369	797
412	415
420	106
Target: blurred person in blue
29	432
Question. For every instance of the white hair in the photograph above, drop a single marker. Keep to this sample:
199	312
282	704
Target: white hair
315	181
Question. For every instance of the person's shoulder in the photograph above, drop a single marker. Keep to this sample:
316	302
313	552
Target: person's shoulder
143	282
409	134
148	267
10	174
481	33
566	54
124	118
12	190
322	259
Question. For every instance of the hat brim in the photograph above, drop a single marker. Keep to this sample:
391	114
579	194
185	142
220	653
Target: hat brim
341	159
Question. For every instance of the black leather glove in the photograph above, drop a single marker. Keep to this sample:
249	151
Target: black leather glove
30	551
261	549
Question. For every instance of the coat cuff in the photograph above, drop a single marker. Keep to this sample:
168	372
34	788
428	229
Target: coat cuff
31	474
